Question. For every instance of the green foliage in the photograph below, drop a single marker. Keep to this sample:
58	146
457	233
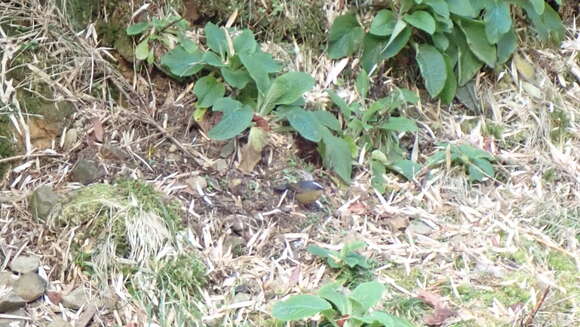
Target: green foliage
340	306
476	161
453	39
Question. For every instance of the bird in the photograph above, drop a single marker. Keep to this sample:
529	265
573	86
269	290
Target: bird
306	191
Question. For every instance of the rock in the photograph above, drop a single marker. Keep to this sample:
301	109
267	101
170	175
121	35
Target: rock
221	165
70	139
25	264
59	322
86	172
11	302
42	201
7	279
419	227
80	296
30	287
197	183
14	322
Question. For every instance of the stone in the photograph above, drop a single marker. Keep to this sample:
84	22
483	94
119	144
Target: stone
80	296
42	201
25	264
30	287
59	322
14	321
7	279
221	165
419	227
86	172
11	302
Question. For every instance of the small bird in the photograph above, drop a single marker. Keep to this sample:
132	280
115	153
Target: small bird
305	192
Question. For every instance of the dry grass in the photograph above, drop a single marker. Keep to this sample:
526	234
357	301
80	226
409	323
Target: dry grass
493	250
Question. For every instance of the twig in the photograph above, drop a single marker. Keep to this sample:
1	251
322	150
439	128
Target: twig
529	321
30	156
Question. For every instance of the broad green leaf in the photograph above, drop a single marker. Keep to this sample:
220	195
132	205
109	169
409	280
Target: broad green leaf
353	259
208	90
337	156
368	294
345	36
331	293
287	88
400	124
539	6
439	6
407	168
548	25
479	5
216	38
298	307
498	21
421	20
245	42
372	48
362	84
383	23
142	49
400	26
479	169
473	152
384	319
236	118
461	8
468	65
187	44
237	78
397	44
183	63
212	59
440	40
137	28
327	119
305	124
378	170
259	65
506	46
406	5
433	69
340	103
448	93
477	41
321	252
407	95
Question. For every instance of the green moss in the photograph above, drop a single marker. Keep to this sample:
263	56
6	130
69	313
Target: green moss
407	281
560	262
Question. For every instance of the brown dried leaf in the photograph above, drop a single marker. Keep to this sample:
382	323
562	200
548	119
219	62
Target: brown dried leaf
438	316
54	297
252	151
98	131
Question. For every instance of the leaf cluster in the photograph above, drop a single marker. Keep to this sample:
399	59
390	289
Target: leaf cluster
453	39
477	162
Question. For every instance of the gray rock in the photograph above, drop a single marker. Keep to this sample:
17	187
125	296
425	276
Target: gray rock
42	201
11	302
25	264
80	296
30	287
86	172
59	322
14	322
7	279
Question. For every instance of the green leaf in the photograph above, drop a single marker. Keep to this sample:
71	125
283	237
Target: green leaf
400	124
353	259
468	65
407	95
216	38
340	103
461	8
407	168
321	252
383	23
539	6
287	88
479	5
259	65
448	93
298	307
212	59
305	123
183	63
384	319
378	170
439	6
421	20
142	50
208	90
337	156
506	46
498	21
137	28
441	41
236	118
433	69
395	45
481	168
327	119
345	36
330	293
368	294
477	41
473	152
245	42
238	78
362	84
548	25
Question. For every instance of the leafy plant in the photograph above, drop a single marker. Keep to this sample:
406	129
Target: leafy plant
452	39
476	161
375	127
246	86
340	306
352	267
